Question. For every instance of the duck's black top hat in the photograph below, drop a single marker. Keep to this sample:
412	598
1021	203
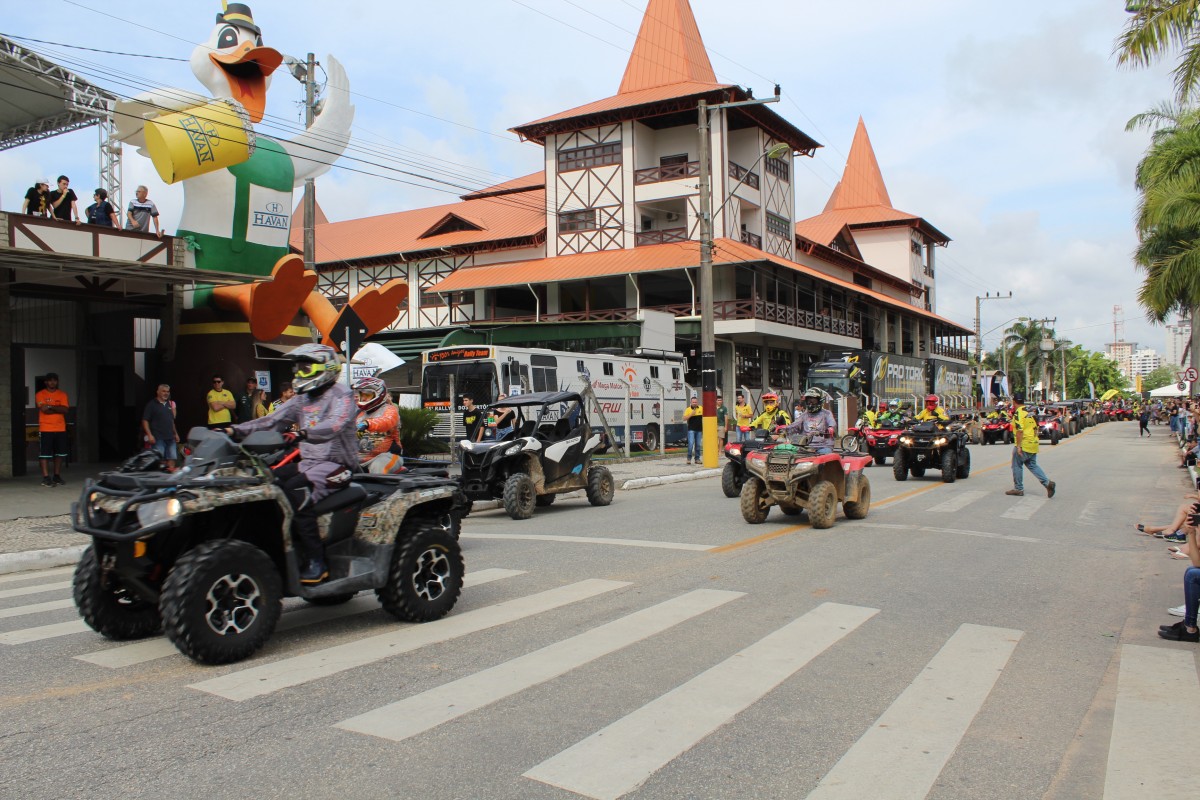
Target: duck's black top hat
239	14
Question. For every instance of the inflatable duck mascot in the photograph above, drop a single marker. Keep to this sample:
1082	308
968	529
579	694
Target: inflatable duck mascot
238	189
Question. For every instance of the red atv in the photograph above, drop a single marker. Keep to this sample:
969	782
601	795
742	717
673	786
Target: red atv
1050	427
795	478
734	475
995	431
881	442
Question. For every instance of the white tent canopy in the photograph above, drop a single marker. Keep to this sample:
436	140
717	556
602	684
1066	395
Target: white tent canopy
1170	390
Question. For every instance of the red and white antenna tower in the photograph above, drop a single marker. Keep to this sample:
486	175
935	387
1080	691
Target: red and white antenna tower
1118	324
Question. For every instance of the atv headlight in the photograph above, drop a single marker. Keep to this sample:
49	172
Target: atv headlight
734	451
906	440
159	511
512	451
938	442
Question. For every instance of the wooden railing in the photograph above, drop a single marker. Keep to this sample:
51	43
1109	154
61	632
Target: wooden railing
752	239
669	172
940	349
740	173
664	236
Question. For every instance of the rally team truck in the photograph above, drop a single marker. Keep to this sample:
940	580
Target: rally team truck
485	371
880	377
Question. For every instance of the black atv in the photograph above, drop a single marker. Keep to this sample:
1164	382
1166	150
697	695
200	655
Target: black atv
548	452
205	554
928	445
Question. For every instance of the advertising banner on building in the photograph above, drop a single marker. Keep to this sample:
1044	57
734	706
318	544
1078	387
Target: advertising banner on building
897	377
950	378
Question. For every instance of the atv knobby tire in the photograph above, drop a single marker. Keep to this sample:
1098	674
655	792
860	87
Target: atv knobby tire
730	485
860	508
426	575
600	486
108	607
880	460
791	509
822	505
964	465
900	466
949	466
917	472
520	496
754	501
544	500
221	601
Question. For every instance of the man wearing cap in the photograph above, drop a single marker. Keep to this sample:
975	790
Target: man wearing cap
693	415
52	409
36	204
1025	429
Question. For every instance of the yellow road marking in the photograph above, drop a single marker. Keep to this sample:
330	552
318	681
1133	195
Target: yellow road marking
766	537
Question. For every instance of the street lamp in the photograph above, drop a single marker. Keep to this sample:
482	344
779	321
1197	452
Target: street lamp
708	337
978	336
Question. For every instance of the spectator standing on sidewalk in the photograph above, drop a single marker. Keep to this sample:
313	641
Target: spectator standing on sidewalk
52	408
743	417
471	418
286	392
64	204
1144	422
246	401
1025	450
158	424
141	212
36	203
722	422
693	415
220	403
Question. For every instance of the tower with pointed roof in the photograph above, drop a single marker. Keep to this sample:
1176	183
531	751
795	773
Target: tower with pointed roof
622	172
859	214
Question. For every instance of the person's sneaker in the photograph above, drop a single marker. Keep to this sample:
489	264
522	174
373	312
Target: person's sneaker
1016	492
1177	536
47	482
1180	634
1050	489
58	481
1172	627
314	571
1177	611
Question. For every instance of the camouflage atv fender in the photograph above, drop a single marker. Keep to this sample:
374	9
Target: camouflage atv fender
379	524
203	501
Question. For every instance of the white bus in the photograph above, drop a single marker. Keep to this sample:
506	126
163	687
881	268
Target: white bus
652	381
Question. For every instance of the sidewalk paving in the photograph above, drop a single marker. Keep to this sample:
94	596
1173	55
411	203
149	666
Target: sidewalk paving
35	526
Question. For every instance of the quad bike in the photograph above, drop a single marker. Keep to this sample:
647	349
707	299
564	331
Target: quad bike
548	453
734	475
996	431
797	479
928	445
205	554
882	441
1050	427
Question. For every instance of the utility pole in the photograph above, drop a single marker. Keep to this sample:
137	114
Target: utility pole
979	339
708	343
310	185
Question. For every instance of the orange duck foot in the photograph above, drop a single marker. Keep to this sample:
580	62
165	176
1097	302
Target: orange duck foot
270	305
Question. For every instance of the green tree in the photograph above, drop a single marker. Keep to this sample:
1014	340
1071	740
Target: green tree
416	432
1160	377
1024	341
1157	28
1095	367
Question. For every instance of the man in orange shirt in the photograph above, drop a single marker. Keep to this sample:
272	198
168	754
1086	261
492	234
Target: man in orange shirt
52	429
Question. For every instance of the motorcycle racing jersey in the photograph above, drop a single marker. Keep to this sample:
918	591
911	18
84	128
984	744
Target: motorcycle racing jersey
819	427
771	418
938	414
382	431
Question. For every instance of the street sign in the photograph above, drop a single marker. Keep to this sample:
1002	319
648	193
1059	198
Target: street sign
1181	386
1190	375
349	331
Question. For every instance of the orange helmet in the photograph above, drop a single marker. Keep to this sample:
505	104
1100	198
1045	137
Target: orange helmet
883	406
931	401
770	397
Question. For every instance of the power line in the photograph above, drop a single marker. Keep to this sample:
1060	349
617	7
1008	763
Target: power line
91	49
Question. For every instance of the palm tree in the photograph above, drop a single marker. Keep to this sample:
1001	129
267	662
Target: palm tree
1157	27
1024	342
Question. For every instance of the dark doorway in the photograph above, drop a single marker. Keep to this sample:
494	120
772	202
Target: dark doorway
17	400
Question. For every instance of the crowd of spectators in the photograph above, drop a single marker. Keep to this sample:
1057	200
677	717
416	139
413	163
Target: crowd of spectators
62	204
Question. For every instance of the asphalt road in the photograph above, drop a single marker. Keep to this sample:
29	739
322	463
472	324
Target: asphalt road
957	643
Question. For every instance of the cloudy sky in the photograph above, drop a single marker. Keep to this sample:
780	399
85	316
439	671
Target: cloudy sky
1000	123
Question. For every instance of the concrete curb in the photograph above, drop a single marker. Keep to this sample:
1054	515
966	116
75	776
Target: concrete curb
660	480
40	559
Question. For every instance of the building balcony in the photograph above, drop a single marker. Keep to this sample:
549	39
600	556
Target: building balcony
669	172
723	310
948	351
740	173
752	239
664	236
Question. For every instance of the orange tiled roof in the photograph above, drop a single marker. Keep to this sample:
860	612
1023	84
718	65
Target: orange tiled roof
499	218
534	180
824	228
652	258
650	94
668	49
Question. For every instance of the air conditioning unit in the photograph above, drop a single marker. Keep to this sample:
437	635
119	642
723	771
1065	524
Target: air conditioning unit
672	216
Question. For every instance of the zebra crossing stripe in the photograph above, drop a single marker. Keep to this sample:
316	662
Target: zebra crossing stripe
36	574
906	749
619	758
257	681
411	716
140	652
41	587
1025	507
27	635
957	503
36	608
1158	703
532	537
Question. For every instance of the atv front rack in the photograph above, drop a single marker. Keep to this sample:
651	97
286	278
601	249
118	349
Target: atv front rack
83	520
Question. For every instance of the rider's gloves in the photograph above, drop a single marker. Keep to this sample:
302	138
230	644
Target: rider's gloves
362	425
292	437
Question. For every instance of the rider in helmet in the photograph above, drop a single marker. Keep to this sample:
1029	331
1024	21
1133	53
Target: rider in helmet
1001	412
772	416
816	422
889	412
873	418
378	426
933	410
323	413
